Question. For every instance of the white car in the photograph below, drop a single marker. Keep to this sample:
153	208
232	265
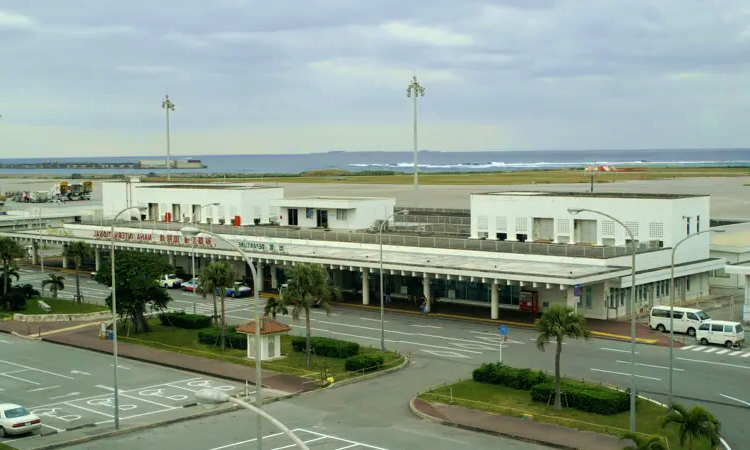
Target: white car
170	281
15	419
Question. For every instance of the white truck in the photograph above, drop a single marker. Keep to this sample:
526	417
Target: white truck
170	281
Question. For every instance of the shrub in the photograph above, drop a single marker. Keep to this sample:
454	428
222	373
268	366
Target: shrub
499	373
212	337
322	346
183	320
365	362
584	397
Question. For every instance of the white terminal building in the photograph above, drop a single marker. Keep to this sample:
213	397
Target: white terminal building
511	250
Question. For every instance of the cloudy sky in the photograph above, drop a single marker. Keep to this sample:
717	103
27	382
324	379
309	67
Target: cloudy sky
87	77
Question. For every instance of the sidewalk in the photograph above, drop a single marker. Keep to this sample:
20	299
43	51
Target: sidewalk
73	334
514	428
607	329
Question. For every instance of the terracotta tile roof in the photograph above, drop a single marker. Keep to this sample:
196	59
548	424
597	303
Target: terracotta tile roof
267	326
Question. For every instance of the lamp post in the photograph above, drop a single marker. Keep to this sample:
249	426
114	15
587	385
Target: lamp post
671	309
382	293
418	91
192	232
575	211
192	253
215	396
167	105
114	309
41	245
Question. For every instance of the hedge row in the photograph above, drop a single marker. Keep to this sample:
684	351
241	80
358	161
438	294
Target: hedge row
326	347
364	362
589	398
499	373
187	321
212	336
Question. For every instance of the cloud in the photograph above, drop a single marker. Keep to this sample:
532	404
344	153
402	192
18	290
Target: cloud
264	76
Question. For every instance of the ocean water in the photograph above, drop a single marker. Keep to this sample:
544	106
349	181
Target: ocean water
429	161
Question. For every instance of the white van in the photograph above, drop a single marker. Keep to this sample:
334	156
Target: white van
686	320
721	332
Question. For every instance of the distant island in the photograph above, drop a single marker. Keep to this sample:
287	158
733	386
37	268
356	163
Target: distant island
146	164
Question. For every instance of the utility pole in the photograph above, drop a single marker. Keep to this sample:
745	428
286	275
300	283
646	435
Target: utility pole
167	105
415	88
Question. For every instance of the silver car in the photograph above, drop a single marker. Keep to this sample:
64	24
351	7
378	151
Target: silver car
15	419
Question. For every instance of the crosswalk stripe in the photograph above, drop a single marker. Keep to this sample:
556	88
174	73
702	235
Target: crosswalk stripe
745	355
710	350
688	347
699	349
734	353
721	352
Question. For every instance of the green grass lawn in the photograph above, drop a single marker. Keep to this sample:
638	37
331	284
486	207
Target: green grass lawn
6	447
516	403
58	307
186	341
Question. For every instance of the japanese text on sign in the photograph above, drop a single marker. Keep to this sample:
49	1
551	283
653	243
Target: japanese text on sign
261	246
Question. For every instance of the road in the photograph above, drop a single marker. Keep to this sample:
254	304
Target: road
449	350
69	387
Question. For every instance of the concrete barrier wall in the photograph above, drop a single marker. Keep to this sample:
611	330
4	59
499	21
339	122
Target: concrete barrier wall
62	317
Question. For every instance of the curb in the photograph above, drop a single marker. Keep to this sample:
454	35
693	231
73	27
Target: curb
403	364
124	431
429	418
609	336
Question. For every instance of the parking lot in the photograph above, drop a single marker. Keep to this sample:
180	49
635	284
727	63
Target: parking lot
73	389
318	441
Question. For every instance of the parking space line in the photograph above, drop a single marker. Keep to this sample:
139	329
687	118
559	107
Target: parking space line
16	371
348	446
87	409
304	442
54	428
43	388
147	401
38	370
180	387
339	439
19	379
234	444
735	399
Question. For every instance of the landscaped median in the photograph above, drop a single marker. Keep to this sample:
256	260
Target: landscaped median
331	360
57	306
523	393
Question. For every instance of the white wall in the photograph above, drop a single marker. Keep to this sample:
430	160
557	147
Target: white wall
364	214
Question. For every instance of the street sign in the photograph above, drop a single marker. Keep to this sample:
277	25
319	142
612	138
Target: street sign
503	330
577	290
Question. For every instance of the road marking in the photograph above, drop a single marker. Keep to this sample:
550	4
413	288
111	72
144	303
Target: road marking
736	399
374	320
617	350
43	388
551	342
735	353
128	368
363	327
710	350
650	365
76	371
626	374
445	353
100	386
5	342
716	363
341	439
745	355
20	379
72	394
688	347
426	326
234	444
87	409
54	428
304	442
147	401
38	370
721	352
698	349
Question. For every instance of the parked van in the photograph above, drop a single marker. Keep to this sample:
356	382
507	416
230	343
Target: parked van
721	332
686	320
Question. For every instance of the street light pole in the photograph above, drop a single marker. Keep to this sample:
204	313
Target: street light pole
167	105
671	310
575	211
382	292
114	310
192	232
415	88
192	253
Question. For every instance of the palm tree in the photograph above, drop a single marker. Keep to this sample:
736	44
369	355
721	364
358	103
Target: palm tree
204	288
77	251
694	424
309	286
55	283
221	275
642	442
10	250
275	306
559	322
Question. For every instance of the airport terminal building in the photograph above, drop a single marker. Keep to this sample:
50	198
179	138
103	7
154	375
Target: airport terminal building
511	250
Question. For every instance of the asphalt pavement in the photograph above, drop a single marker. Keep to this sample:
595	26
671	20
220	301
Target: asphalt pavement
448	350
69	388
